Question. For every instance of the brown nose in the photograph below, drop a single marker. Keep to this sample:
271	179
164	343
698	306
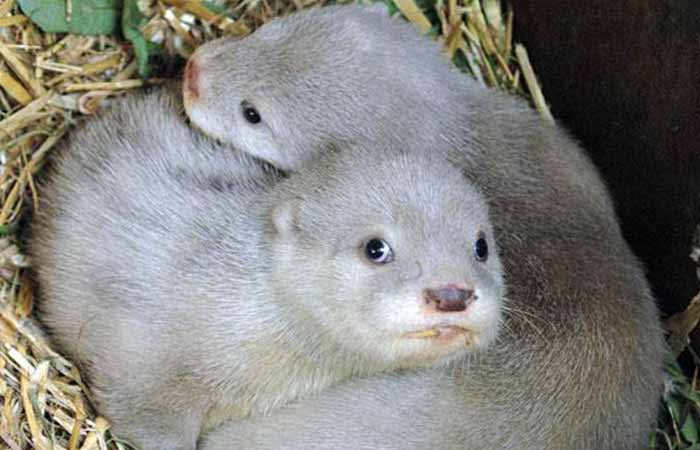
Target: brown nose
190	86
449	299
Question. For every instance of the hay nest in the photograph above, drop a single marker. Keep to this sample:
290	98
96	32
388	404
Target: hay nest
48	80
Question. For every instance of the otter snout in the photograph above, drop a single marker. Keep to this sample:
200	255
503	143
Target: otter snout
449	299
191	81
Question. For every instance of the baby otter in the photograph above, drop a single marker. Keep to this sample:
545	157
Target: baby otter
193	285
578	363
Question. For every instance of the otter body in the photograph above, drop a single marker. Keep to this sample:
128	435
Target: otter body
192	285
648	155
578	363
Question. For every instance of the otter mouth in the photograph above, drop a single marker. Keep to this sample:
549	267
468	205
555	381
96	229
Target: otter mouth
442	332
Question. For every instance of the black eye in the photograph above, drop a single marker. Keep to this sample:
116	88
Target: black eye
481	249
250	113
378	251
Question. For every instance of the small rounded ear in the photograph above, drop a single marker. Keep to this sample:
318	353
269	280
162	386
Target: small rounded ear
285	217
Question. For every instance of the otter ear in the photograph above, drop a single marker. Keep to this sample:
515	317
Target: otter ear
285	217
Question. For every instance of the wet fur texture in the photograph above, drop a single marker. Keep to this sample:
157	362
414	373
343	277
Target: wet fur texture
193	285
578	364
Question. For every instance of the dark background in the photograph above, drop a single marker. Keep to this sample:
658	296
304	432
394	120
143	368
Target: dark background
624	77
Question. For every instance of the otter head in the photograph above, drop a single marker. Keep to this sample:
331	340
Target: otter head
328	75
391	259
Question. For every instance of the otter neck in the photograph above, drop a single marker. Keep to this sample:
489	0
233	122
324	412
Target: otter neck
280	354
281	363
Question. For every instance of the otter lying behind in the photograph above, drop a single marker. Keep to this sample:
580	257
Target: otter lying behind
578	361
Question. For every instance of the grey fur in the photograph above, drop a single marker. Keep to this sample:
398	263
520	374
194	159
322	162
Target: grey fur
193	286
578	365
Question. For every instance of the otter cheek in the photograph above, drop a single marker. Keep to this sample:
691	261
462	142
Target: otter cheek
375	318
210	124
487	316
394	312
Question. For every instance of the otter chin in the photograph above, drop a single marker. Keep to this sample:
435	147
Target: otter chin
445	342
449	341
434	346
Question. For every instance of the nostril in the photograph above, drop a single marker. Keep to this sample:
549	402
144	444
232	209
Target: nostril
451	294
451	305
449	299
191	86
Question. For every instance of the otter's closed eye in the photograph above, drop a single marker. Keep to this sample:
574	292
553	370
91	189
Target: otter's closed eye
481	248
250	113
378	251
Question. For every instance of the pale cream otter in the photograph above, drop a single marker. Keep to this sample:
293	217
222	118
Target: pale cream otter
193	285
578	364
